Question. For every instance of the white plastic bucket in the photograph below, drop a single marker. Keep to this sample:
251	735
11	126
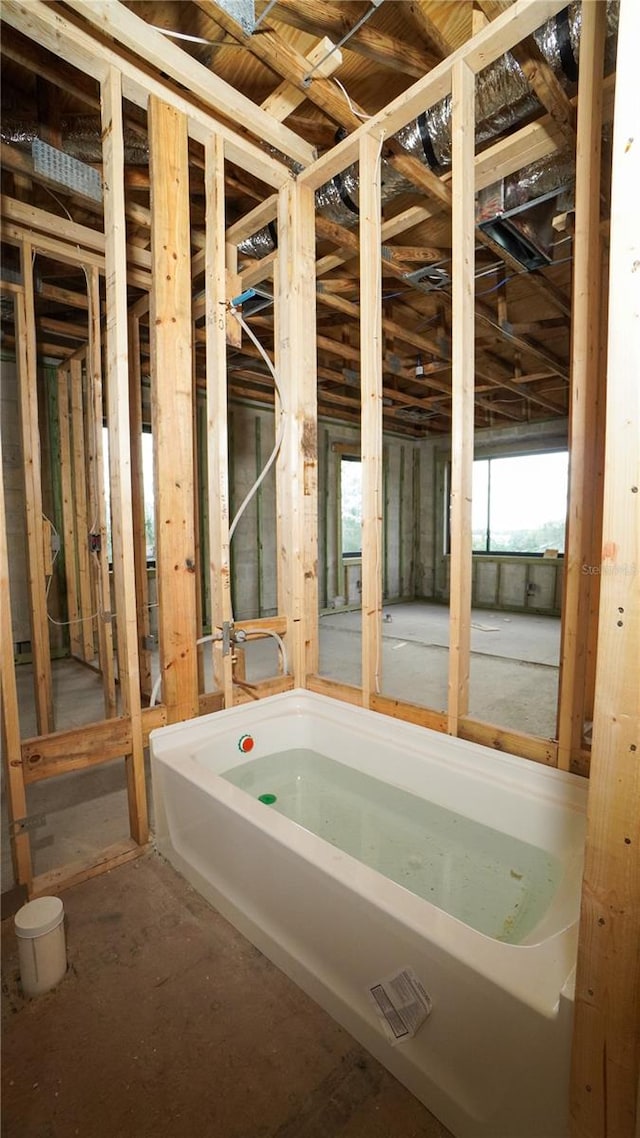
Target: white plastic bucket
42	949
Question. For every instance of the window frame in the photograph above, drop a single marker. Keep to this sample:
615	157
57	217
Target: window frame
487	455
351	555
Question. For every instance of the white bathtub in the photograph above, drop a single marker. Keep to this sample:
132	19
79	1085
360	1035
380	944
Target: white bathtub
492	1059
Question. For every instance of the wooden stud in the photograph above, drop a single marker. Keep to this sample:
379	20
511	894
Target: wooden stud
606	1047
217	416
170	331
58	879
325	57
513	742
9	712
28	383
67	41
462	383
68	515
297	464
523	17
117	372
259	514
137	35
584	388
371	428
197	523
598	496
80	502
138	507
101	560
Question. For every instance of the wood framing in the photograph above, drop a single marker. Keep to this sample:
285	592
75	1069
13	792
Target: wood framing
297	464
217	417
87	613
10	715
585	383
117	371
127	28
522	18
39	22
101	558
172	409
68	514
606	1050
30	431
371	399
462	385
191	108
137	487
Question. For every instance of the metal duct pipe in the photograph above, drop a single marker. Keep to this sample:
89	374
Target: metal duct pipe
81	138
503	99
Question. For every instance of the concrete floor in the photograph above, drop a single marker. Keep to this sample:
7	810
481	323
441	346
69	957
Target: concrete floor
514	679
169	1024
514	661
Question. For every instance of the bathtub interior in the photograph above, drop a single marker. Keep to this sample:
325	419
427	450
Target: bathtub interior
542	809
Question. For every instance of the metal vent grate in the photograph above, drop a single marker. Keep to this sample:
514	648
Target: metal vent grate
59	167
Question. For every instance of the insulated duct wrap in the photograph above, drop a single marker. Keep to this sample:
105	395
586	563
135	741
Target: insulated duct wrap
503	99
81	138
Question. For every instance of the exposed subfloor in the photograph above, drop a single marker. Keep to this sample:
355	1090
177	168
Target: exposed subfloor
170	1024
514	676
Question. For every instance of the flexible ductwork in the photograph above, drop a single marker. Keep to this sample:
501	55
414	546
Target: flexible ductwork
503	99
81	138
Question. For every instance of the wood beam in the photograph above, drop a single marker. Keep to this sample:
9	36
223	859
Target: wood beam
585	382
117	375
137	506
172	409
26	358
127	28
87	649
297	465
371	428
281	102
334	20
10	714
49	28
285	61
606	1051
462	382
428	29
523	17
217	416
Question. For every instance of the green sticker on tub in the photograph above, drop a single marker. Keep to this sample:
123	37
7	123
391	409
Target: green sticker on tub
268	799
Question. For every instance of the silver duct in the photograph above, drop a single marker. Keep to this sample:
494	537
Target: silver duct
503	99
81	138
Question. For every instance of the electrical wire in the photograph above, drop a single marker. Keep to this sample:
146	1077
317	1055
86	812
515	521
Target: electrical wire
280	435
195	39
358	114
511	276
